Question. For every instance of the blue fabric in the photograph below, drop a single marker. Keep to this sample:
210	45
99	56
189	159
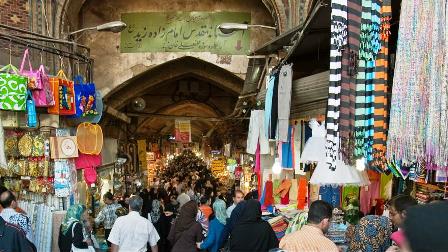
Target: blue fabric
263	194
215	236
268	105
287	152
331	195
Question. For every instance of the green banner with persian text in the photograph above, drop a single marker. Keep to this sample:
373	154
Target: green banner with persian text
183	32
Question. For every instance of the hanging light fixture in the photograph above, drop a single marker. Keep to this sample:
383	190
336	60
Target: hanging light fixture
276	167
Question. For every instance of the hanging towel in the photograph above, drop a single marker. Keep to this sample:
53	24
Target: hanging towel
331	195
283	189
303	192
287	151
276	195
269	198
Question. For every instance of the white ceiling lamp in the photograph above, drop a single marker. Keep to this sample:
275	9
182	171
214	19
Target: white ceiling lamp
115	27
228	28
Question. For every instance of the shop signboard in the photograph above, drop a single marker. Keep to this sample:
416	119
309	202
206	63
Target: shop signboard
218	165
184	32
183	131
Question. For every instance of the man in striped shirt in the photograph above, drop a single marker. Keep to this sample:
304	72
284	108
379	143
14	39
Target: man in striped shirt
311	237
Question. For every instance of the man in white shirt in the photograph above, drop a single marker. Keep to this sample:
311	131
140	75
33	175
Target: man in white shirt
131	232
237	198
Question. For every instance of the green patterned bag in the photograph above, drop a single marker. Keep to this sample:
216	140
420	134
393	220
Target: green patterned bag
12	89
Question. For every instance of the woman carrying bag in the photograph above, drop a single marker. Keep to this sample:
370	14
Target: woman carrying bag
71	234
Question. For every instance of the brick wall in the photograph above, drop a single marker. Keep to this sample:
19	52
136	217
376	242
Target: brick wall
15	13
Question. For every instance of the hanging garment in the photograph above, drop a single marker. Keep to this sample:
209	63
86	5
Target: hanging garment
303	193
386	186
284	200
343	175
368	194
298	167
287	154
348	84
269	198
257	160
314	193
349	194
284	102
256	134
331	195
314	149
338	41
276	195
293	191
271	106
284	187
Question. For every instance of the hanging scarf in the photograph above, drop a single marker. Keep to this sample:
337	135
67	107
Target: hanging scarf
418	119
74	214
382	64
338	41
348	85
155	211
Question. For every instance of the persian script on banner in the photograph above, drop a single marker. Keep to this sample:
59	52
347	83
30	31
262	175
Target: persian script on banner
183	131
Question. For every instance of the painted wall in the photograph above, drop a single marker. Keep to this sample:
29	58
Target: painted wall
113	68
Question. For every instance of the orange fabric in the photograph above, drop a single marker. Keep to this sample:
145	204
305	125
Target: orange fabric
206	210
284	187
303	192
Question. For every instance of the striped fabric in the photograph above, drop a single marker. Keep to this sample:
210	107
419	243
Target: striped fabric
380	116
369	48
348	84
310	239
338	41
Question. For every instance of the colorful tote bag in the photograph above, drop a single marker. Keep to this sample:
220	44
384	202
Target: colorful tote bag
34	77
85	98
43	97
13	90
66	97
31	111
54	88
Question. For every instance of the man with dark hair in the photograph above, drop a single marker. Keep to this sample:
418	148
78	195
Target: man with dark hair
238	196
311	237
9	203
132	232
107	215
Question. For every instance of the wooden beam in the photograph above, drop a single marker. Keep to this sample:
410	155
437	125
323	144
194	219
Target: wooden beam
117	114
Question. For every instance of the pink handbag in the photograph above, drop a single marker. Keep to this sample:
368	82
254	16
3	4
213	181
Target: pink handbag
43	97
34	80
90	175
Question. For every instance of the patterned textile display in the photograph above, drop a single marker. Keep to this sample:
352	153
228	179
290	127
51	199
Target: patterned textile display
348	85
369	48
418	117
380	115
338	41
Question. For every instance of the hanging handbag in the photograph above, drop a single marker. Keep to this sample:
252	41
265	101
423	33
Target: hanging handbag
66	97
85	98
31	111
54	88
34	77
43	97
13	89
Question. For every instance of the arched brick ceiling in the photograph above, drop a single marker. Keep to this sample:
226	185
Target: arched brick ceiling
173	70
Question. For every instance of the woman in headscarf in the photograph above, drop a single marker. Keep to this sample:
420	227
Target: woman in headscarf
231	222
72	232
161	222
251	233
371	234
186	231
216	228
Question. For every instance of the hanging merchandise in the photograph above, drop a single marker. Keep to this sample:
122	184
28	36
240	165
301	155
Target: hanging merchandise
62	178
34	77
257	133
284	101
63	147
85	98
348	84
14	89
338	41
271	106
31	111
85	160
287	150
312	152
90	138
419	107
43	97
63	92
25	145
90	175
